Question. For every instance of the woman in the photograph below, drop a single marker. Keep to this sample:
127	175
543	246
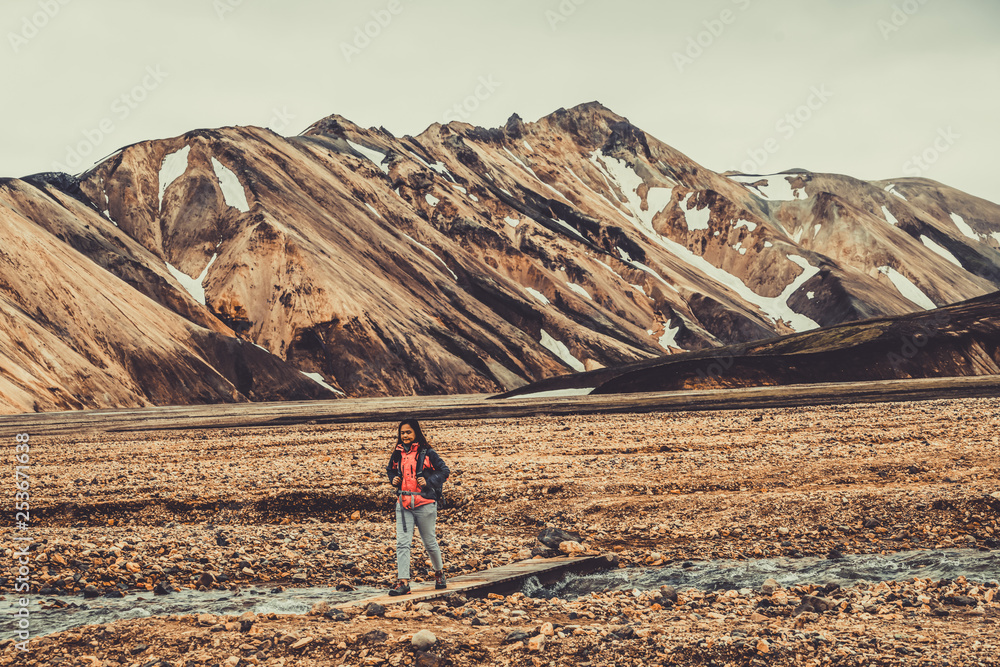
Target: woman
418	472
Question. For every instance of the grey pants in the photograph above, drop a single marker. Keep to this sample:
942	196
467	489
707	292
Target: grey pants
424	517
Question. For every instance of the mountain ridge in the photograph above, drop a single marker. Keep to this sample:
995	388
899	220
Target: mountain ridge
468	259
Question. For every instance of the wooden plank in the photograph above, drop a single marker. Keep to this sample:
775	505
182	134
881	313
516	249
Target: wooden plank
505	577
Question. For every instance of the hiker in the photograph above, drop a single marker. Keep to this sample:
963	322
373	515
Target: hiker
418	473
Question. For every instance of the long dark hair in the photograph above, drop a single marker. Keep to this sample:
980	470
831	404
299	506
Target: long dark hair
418	435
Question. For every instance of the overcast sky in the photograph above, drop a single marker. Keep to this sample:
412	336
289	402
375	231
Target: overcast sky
869	84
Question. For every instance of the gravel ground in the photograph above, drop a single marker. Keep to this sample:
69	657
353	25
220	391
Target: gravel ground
308	505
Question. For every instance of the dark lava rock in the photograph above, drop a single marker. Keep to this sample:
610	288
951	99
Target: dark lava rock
374	609
161	589
456	600
429	660
515	636
136	650
91	592
206	579
375	636
871	523
668	593
959	600
114	593
551	537
337	615
834	554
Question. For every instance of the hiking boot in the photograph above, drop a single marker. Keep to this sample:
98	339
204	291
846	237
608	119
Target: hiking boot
439	580
401	588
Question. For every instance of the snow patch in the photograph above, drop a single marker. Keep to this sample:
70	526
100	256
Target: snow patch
939	249
559	349
889	217
538	295
511	221
580	290
669	337
768	244
318	379
964	227
432	254
528	146
371	154
193	286
891	189
810	295
695	218
907	288
751	226
473	197
232	189
461	189
372	209
431	199
995	235
173	167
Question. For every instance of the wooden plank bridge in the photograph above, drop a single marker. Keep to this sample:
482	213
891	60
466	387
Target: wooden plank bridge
503	579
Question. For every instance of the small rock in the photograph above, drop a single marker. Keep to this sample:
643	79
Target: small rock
136	650
374	609
757	617
763	646
668	593
428	660
959	600
546	629
571	548
536	643
356	516
301	643
319	609
769	586
207	619
91	592
423	640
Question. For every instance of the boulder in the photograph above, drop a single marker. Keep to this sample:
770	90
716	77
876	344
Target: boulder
552	537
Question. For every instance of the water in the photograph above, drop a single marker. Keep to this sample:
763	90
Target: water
732	574
105	610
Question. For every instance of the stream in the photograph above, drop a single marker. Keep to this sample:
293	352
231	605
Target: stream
703	575
733	574
83	611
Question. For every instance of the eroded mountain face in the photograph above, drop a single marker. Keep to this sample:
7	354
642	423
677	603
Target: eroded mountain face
460	260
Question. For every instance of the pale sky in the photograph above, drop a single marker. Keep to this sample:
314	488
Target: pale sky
887	80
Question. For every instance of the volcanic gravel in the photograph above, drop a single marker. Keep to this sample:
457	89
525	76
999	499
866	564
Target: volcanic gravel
309	505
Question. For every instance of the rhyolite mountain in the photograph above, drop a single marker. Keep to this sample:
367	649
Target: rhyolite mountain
235	264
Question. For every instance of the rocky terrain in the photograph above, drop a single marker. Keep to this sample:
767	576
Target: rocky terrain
462	260
154	512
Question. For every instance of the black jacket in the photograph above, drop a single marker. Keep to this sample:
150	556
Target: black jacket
436	473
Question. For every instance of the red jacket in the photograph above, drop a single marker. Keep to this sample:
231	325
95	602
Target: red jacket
403	463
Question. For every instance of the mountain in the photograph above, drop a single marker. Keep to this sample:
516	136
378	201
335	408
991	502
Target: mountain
223	265
958	340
